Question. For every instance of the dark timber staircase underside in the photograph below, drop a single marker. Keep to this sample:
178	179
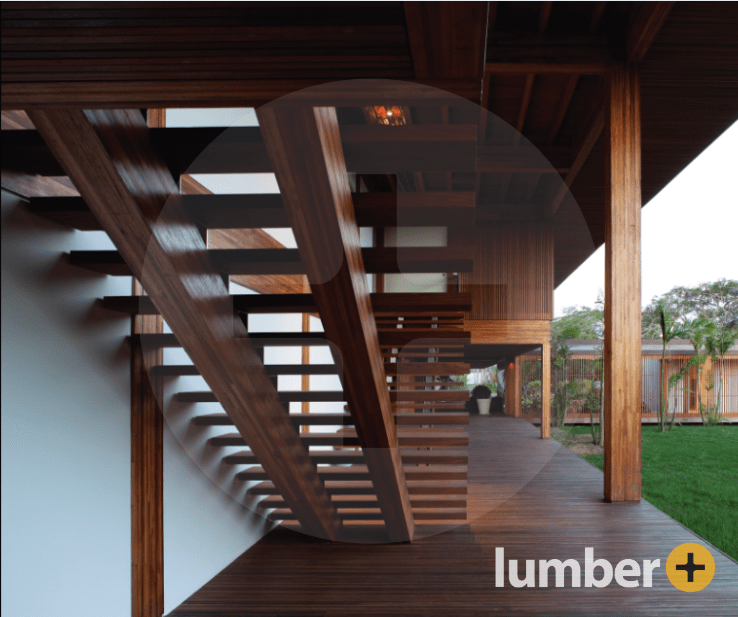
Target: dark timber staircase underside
415	338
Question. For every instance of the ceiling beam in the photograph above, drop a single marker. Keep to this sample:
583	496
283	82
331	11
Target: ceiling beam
305	149
283	261
539	54
645	25
256	211
108	157
384	303
234	93
448	40
591	135
367	150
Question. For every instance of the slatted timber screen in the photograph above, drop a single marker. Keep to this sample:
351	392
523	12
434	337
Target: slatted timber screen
729	404
513	270
682	397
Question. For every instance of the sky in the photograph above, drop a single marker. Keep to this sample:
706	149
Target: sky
689	231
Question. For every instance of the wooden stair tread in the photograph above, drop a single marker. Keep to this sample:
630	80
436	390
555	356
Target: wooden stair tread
304	303
361	487
287	396
418	439
370	501
409	418
397	396
258	211
371	515
410	456
361	472
180	370
402	419
287	261
309	419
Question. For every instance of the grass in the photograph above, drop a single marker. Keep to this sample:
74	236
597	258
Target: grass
691	474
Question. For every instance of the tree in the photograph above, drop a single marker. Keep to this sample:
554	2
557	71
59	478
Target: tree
718	341
697	331
579	323
669	330
716	302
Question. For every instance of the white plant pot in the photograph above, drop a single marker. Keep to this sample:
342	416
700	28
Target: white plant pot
483	405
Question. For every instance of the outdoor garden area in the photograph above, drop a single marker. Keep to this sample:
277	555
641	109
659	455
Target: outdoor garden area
690	473
689	470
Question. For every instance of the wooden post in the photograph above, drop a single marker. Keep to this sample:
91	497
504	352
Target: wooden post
518	376
545	390
306	359
147	460
623	286
510	389
147	475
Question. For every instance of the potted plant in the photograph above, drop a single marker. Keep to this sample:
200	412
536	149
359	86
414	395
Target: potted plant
482	395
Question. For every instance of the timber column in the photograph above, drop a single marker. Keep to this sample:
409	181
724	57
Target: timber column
623	286
545	390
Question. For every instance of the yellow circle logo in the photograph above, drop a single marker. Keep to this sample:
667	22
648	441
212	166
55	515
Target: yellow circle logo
690	567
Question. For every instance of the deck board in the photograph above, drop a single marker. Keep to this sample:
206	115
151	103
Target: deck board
533	497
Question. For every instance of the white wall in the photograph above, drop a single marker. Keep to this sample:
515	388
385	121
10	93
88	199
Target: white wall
66	443
65	429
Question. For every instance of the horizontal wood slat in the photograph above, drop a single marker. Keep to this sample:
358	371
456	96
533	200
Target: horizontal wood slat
425	337
367	501
304	303
438	514
179	370
416	487
287	261
300	419
313	396
428	395
410	456
348	438
426	368
331	419
367	150
508	331
238	92
431	419
361	472
427	209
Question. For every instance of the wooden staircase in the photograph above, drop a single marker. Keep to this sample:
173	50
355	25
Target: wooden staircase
397	454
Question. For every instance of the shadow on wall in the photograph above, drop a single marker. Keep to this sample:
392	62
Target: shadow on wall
66	428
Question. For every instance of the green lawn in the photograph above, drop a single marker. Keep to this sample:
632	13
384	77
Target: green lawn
691	473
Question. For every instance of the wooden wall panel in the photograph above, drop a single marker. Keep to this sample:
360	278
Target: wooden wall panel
513	332
513	270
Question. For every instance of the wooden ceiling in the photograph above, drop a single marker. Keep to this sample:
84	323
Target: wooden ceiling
537	66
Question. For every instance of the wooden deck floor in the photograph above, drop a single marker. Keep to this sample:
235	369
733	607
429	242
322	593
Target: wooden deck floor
534	498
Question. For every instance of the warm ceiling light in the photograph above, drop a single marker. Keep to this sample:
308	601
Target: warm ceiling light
389	115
